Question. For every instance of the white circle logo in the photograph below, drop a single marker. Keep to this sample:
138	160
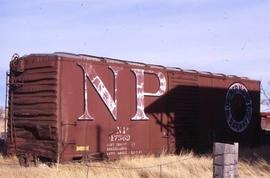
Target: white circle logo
238	107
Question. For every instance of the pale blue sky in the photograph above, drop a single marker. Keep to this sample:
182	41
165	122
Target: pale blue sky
229	36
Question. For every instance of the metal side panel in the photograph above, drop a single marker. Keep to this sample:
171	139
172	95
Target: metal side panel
183	106
32	121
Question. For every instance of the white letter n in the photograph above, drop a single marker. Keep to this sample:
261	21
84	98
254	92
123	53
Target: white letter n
91	75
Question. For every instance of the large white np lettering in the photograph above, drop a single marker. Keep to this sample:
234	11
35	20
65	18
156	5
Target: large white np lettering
91	75
139	73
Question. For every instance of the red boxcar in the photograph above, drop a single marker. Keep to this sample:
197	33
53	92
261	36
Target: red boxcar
65	107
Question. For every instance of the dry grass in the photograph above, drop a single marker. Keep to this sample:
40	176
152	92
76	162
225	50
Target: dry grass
253	163
187	165
2	124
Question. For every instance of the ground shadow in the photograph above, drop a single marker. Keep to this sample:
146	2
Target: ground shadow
258	157
3	148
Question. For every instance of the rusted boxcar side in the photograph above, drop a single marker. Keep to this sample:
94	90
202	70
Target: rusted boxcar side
33	107
65	107
265	122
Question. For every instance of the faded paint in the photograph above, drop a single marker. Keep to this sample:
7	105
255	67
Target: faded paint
185	110
115	71
90	73
139	74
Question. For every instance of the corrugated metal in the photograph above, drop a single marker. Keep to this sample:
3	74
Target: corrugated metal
183	103
64	107
33	107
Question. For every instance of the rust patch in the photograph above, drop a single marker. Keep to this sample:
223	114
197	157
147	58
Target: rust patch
64	107
265	121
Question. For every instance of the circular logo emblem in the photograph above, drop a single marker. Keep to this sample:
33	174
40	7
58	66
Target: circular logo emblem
238	107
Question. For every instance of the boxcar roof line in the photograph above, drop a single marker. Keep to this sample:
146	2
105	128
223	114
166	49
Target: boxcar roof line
119	61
